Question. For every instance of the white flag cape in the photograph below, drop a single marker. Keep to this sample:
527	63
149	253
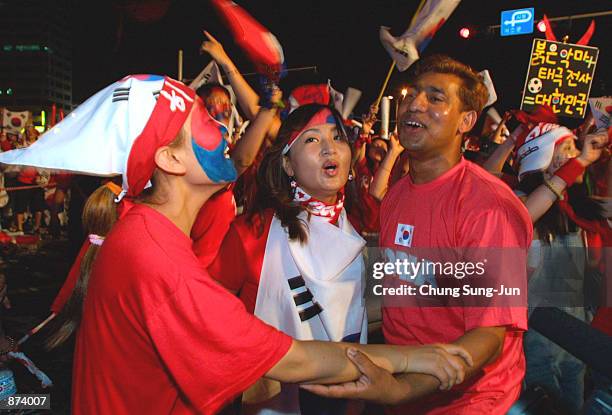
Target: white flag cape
324	274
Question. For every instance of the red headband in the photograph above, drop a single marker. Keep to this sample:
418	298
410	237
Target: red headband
169	114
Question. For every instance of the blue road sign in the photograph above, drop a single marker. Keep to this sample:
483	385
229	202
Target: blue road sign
516	22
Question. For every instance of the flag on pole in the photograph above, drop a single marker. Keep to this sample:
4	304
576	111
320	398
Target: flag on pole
486	78
336	97
351	97
258	43
404	50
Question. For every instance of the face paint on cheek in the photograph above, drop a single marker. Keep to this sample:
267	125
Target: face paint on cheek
209	146
220	112
218	168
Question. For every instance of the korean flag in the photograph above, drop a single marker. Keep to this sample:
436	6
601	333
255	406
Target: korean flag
403	235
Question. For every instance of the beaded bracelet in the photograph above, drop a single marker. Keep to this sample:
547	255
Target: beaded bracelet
548	184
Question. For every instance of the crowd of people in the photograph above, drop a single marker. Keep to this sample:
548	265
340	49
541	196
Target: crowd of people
28	193
224	267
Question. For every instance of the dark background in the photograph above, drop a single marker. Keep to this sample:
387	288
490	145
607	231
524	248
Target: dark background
339	37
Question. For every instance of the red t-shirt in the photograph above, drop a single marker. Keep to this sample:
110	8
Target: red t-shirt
240	259
158	335
27	175
211	225
465	207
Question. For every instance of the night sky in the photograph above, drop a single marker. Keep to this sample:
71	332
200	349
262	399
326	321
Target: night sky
340	38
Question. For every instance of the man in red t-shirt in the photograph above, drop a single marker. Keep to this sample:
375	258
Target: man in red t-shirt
445	204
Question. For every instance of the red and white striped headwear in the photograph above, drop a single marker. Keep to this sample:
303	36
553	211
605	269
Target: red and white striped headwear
116	131
324	116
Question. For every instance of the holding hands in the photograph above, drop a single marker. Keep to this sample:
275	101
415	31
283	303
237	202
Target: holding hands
446	362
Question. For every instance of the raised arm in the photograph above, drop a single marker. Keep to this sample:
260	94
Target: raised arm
246	96
248	146
248	100
359	151
380	182
496	160
543	197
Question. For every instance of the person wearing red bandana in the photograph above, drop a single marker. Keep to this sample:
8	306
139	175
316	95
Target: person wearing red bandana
296	278
155	333
294	257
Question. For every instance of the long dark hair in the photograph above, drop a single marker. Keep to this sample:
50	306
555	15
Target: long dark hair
555	222
273	184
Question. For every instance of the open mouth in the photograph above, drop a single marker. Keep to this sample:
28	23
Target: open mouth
330	168
413	124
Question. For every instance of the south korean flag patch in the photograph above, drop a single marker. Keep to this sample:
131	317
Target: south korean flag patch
403	235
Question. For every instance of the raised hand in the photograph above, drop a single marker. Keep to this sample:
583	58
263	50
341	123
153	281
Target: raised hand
594	145
215	49
444	361
501	133
394	144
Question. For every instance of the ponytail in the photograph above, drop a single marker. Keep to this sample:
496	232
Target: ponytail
99	216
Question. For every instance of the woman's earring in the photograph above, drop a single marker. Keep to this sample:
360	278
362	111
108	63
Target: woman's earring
350	177
292	182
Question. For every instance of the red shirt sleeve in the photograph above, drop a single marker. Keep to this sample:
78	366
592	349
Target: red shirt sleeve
217	337
211	225
240	258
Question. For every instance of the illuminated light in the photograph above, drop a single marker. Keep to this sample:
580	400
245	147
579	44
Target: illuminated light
27	48
464	32
390	97
404	92
39	128
9	91
542	26
43	118
7	48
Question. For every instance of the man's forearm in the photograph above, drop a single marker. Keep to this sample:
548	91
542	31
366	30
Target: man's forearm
416	385
483	343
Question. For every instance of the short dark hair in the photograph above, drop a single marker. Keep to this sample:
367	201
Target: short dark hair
472	93
205	90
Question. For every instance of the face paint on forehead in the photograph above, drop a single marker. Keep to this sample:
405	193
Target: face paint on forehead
324	116
209	146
